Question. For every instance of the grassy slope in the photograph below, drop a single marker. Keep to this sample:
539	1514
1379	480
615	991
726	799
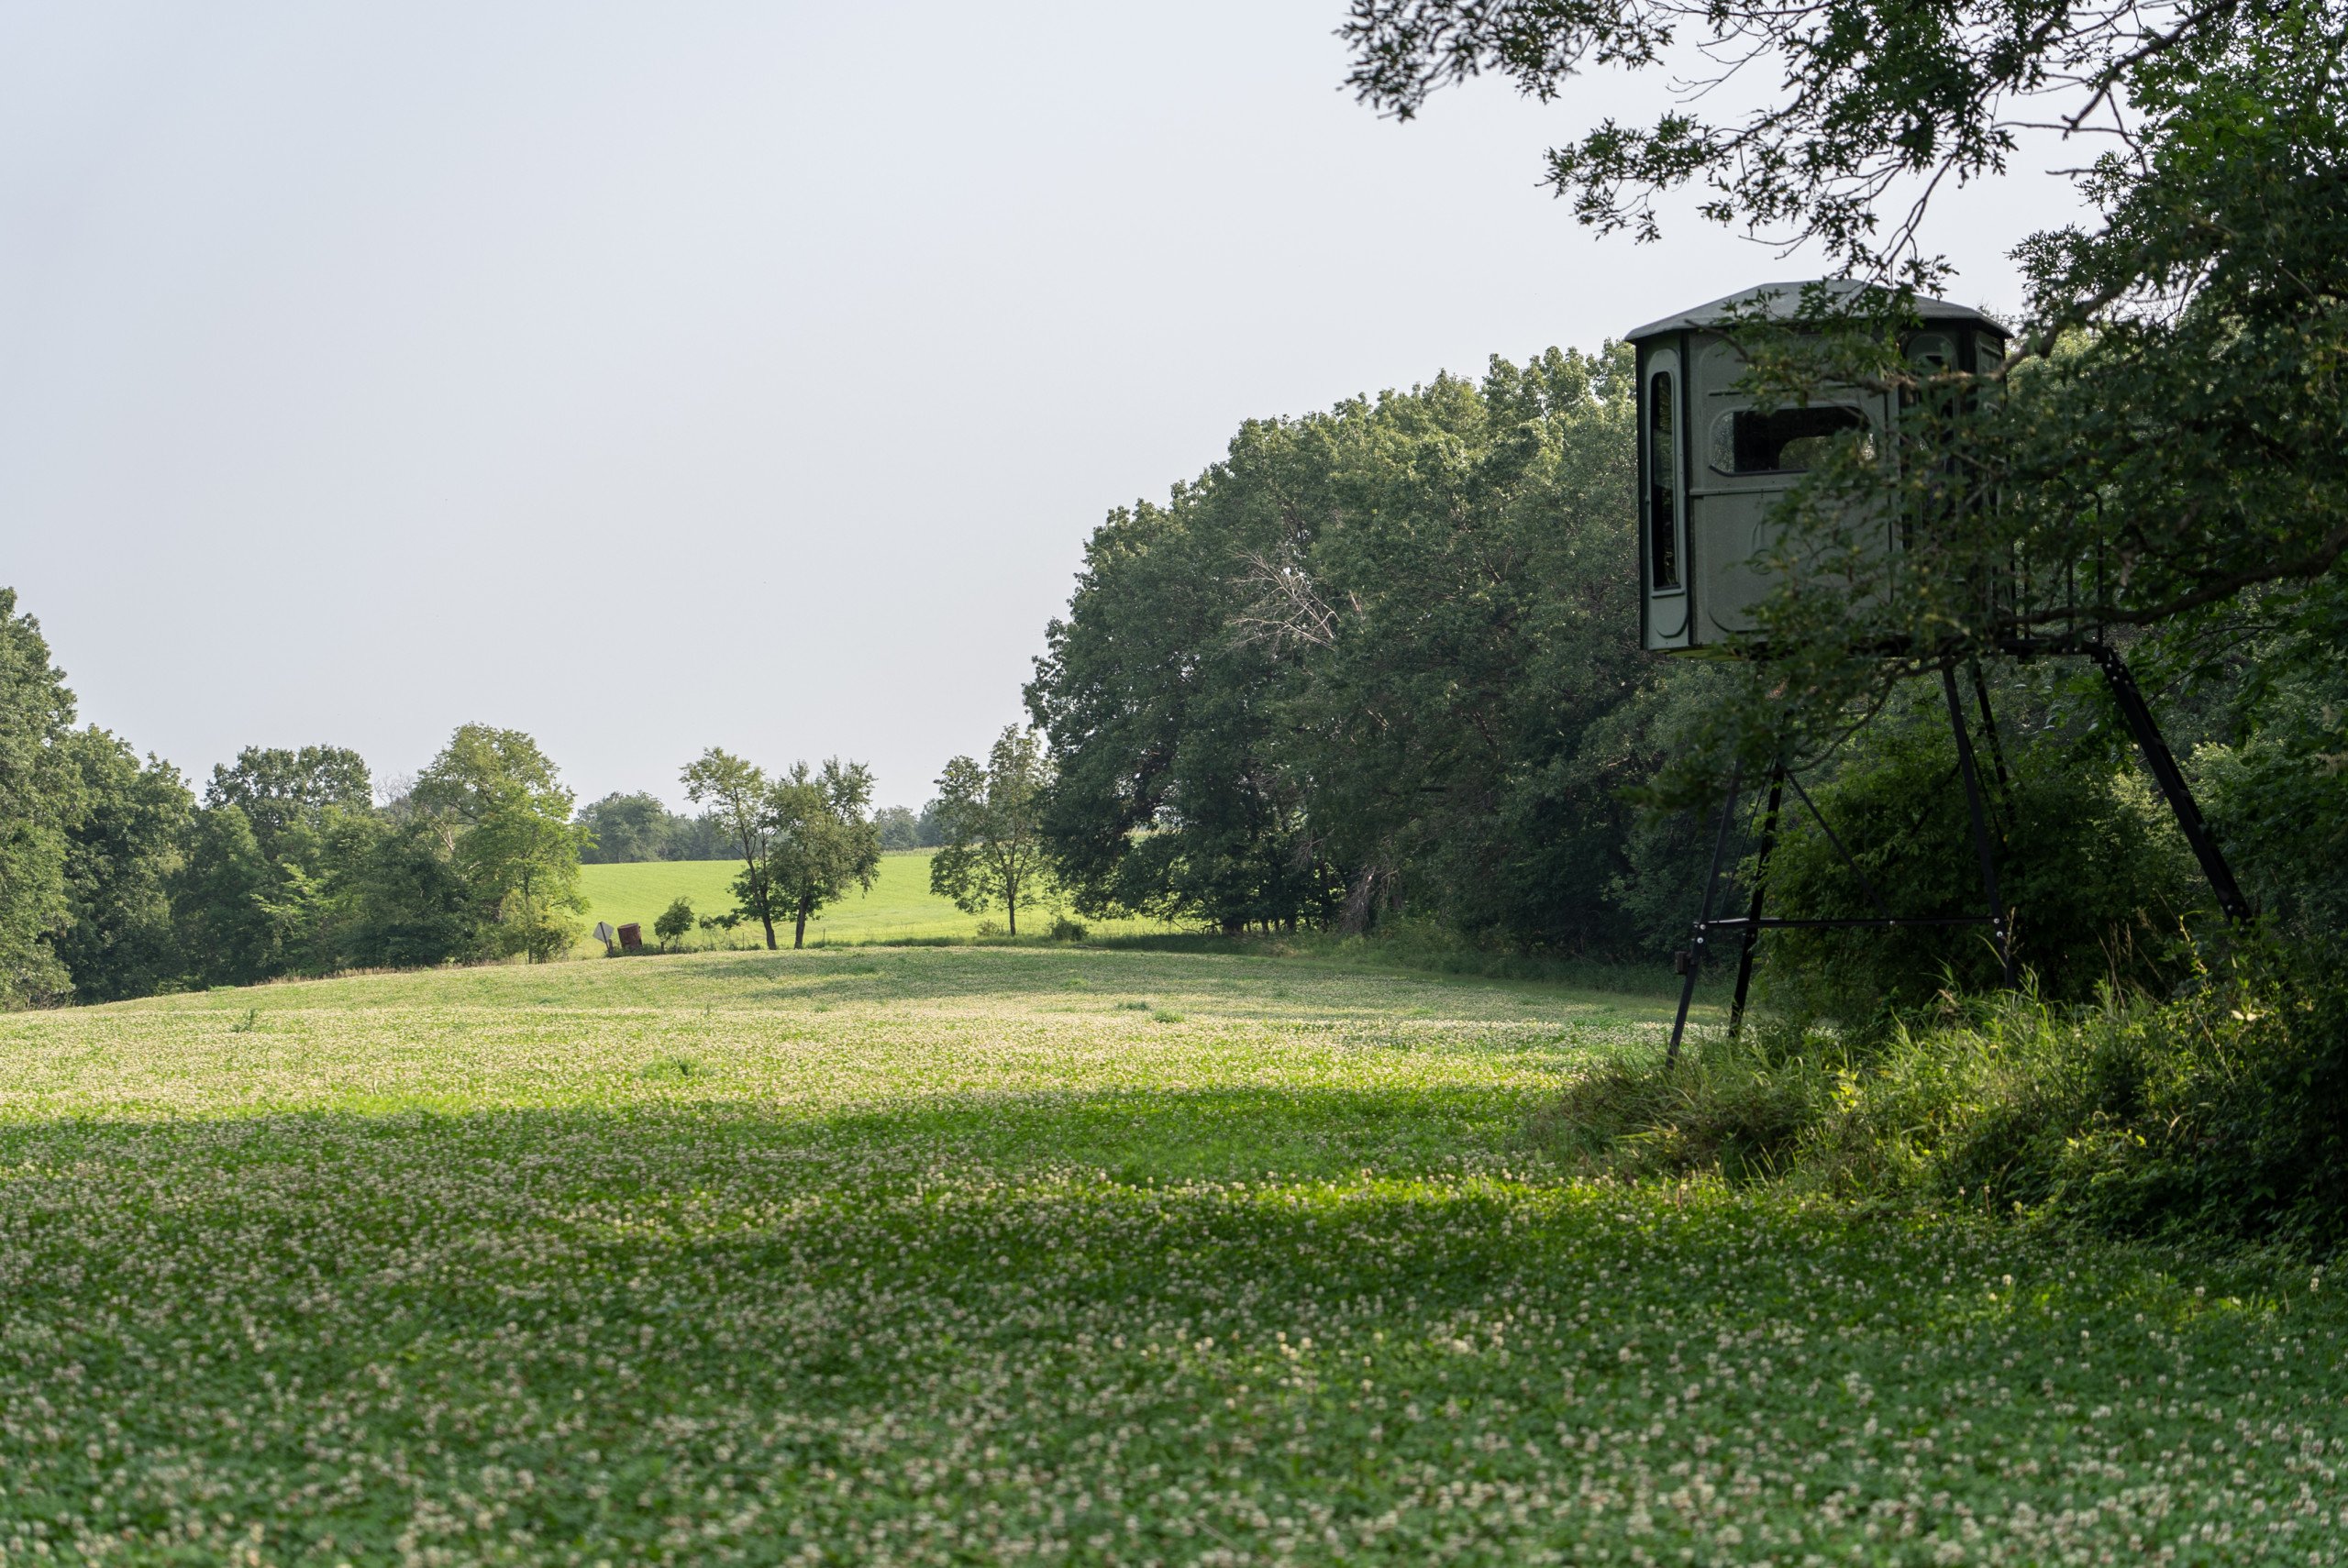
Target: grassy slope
983	1256
898	907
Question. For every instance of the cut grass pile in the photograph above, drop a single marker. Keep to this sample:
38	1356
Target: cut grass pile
898	908
1071	1256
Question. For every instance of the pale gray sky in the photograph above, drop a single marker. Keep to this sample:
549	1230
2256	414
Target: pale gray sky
651	377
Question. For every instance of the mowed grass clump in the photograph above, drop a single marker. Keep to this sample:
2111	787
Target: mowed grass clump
950	1256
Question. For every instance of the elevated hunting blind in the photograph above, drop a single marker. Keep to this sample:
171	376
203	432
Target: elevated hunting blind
1713	459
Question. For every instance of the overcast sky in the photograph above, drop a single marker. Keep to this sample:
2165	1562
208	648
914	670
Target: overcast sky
655	377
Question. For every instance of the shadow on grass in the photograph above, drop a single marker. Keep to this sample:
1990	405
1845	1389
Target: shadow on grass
1198	978
1304	976
347	1329
1445	960
325	1241
1137	1137
336	1235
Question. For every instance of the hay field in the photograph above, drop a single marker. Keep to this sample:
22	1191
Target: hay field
1045	1255
898	907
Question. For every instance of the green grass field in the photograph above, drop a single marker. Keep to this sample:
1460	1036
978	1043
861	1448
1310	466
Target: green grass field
1065	1255
898	907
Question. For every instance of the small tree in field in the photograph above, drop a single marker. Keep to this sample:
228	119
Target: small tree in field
740	800
990	819
803	838
674	922
825	842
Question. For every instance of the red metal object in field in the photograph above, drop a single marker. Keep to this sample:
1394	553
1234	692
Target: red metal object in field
631	936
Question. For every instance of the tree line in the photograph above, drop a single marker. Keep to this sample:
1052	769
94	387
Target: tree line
1381	664
639	825
1378	660
2152	472
118	879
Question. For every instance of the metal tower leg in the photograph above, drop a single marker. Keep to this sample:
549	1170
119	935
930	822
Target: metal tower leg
1981	824
2130	698
1752	910
1704	919
1990	733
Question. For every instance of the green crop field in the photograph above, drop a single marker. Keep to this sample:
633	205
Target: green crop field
898	907
1065	1255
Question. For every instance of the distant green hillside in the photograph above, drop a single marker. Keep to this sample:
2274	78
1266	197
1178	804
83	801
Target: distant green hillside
900	906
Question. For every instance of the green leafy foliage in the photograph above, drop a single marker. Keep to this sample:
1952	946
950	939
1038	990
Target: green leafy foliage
248	901
2154	468
990	818
827	842
122	857
1166	801
1367	663
904	828
2091	872
803	838
340	884
476	860
2218	1114
620	828
2274	774
507	818
2155	464
628	829
675	921
282	792
225	905
37	804
898	827
738	798
396	895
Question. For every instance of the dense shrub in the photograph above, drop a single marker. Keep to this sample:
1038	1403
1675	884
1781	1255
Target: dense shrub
2221	1113
2276	792
676	921
2089	863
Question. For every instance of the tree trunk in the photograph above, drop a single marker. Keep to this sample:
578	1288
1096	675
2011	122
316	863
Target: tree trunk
799	932
1011	907
750	863
1361	901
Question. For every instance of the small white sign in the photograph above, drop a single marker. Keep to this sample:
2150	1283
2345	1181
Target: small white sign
603	932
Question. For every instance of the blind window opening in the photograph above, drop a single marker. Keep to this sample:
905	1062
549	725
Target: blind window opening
1932	351
1784	441
1663	484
